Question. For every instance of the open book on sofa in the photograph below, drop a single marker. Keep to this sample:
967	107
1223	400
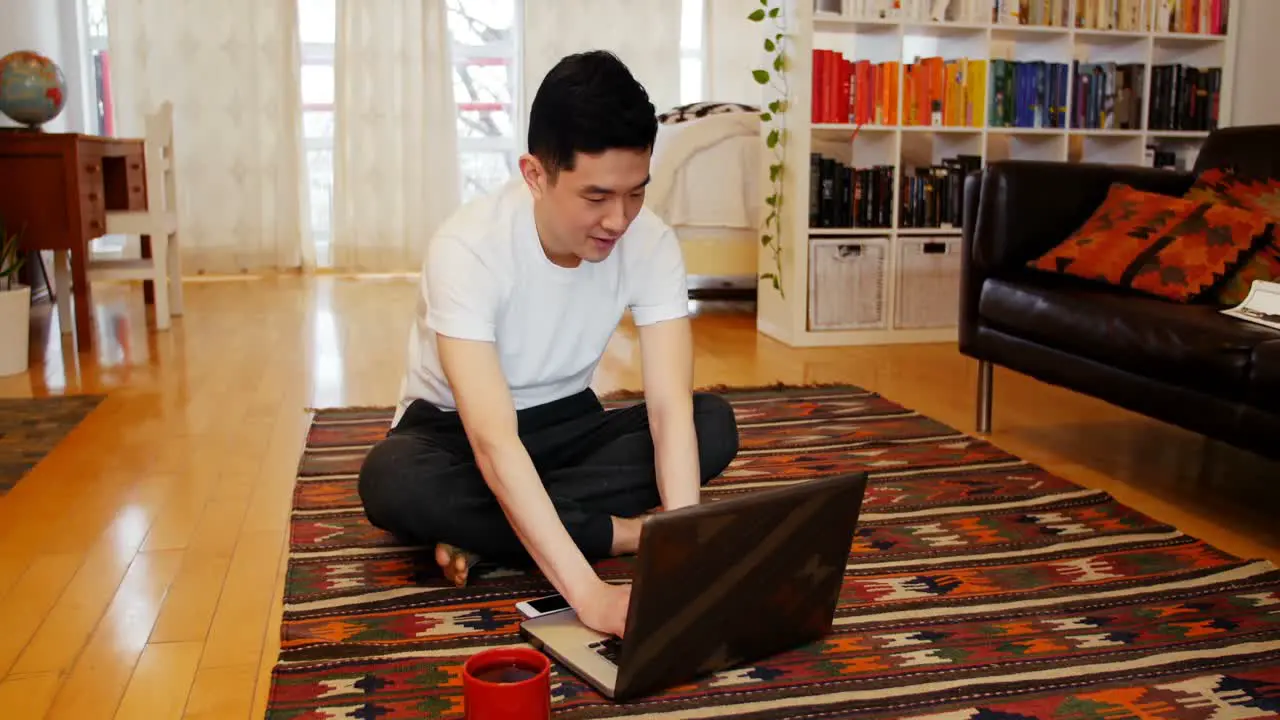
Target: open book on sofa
1261	306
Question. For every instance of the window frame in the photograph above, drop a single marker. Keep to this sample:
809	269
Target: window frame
698	54
318	54
509	52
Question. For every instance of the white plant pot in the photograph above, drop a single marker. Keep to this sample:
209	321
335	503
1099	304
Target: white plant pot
15	329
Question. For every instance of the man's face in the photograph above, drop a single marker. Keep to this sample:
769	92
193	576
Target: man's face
584	212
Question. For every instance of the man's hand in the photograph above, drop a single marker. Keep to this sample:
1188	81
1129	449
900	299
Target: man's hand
489	418
666	356
604	609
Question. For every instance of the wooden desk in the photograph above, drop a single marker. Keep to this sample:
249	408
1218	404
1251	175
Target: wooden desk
57	188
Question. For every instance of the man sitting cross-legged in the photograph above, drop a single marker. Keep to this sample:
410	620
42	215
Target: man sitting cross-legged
499	449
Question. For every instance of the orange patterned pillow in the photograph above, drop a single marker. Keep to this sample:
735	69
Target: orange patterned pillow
1257	195
1161	245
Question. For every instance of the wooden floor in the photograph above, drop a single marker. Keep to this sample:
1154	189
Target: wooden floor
141	562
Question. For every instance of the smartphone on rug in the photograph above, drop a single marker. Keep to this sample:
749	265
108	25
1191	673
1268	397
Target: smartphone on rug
543	606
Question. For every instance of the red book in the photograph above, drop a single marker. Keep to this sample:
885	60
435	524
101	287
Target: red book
846	90
815	101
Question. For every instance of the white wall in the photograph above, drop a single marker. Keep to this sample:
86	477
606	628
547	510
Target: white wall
1256	95
734	49
51	28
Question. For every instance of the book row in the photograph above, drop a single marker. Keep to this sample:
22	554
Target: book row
1005	12
1184	98
1177	16
841	196
1122	15
934	91
1192	16
1030	94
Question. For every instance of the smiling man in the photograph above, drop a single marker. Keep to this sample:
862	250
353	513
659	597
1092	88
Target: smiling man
499	449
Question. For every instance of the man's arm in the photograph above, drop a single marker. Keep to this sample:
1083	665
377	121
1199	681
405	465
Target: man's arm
489	418
666	356
660	308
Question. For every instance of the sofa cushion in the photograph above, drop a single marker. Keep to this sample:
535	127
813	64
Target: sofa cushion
1263	265
1265	376
1193	346
1165	246
1260	195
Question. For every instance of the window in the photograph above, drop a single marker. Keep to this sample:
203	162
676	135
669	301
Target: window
101	120
486	88
486	74
318	36
692	51
485	85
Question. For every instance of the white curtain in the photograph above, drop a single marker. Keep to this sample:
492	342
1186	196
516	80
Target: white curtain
735	47
395	160
644	34
231	70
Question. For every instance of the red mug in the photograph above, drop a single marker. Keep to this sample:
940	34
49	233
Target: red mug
507	684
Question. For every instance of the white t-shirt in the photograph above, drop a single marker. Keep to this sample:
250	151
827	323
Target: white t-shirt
486	277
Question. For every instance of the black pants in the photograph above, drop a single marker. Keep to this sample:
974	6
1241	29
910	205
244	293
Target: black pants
422	482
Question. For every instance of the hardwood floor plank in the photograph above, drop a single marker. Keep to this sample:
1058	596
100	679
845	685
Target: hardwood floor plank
175	524
26	607
188	609
270	642
236	633
11	569
85	599
101	673
27	696
161	682
222	693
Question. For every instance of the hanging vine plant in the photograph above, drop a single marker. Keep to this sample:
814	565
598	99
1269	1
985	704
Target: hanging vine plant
775	78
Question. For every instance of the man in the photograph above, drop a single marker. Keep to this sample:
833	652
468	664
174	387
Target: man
499	449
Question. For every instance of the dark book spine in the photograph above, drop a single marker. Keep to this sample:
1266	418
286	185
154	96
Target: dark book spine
815	190
846	197
827	200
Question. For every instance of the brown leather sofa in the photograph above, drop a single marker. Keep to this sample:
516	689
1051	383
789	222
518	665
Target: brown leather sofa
1187	365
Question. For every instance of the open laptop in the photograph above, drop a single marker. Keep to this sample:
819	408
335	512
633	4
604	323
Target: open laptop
718	585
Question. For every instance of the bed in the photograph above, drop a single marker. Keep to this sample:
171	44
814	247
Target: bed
706	184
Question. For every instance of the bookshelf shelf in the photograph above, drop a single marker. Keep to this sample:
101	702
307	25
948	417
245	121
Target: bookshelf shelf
926	232
944	129
1105	85
848	232
1054	132
1188	38
1084	132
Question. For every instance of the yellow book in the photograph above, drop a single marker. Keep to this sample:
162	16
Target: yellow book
949	94
978	91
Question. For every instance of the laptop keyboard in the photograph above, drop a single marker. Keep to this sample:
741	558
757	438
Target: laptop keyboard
609	648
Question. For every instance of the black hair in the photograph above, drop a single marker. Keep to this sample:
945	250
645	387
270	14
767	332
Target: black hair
589	103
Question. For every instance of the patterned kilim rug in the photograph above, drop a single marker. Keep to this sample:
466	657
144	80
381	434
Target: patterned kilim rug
979	587
31	427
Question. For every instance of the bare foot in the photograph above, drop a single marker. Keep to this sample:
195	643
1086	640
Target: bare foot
626	535
455	563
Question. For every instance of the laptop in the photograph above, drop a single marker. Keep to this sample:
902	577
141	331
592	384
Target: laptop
718	585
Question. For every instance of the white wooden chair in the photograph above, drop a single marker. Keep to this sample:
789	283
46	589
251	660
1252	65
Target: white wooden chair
158	224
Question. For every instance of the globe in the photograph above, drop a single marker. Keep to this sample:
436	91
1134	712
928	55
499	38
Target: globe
32	88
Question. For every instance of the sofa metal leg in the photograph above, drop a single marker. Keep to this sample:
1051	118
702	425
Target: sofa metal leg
985	371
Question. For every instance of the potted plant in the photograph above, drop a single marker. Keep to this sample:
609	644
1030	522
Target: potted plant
15	306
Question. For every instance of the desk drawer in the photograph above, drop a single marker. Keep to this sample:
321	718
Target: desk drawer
91	180
94	221
135	173
93	200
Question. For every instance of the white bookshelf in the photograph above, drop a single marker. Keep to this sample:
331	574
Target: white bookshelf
902	37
